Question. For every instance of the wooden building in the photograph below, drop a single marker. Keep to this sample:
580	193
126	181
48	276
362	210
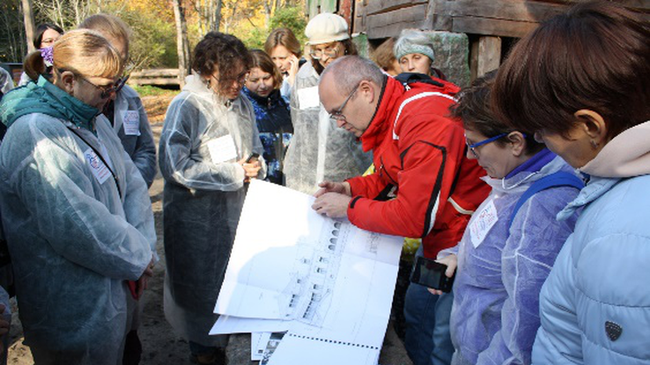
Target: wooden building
491	25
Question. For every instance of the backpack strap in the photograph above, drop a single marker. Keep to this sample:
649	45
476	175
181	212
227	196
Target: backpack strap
406	78
556	179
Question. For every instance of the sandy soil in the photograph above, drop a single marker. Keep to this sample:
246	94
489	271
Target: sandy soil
161	346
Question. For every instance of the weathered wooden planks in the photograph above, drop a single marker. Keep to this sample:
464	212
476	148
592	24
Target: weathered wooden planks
508	18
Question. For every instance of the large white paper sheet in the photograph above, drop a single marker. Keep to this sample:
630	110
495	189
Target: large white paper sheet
329	280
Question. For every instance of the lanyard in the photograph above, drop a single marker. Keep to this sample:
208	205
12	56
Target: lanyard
119	191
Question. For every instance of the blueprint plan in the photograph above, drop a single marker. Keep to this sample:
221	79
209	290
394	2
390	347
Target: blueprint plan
324	281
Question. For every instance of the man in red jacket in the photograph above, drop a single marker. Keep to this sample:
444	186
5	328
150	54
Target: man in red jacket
424	186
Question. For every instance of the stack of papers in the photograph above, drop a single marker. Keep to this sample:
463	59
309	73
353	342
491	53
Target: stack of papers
323	286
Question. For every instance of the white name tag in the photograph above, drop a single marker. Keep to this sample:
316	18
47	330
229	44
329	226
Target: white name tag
131	122
483	223
100	171
308	98
222	149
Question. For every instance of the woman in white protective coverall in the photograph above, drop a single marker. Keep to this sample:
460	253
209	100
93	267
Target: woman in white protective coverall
129	120
207	139
319	150
76	212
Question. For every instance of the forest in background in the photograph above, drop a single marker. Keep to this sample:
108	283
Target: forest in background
157	25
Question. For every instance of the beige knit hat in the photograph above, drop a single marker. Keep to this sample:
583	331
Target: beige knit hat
325	28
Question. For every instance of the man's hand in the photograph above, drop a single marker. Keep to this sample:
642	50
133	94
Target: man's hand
333	205
452	262
333	187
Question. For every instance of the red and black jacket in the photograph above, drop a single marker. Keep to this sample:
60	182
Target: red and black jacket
419	158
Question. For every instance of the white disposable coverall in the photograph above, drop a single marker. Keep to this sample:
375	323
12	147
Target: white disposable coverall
201	142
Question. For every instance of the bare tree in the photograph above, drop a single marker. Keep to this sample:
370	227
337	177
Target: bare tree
209	14
30	28
66	13
216	11
268	9
233	16
12	31
182	43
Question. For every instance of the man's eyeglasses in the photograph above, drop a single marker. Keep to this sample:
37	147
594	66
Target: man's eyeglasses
108	90
240	79
330	52
338	114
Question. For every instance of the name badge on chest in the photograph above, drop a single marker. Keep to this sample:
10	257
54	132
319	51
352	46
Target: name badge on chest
222	149
482	224
97	166
308	97
131	122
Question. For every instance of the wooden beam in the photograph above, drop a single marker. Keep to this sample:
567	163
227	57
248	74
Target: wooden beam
438	15
391	23
489	55
358	24
528	11
383	6
155	72
495	27
473	59
154	81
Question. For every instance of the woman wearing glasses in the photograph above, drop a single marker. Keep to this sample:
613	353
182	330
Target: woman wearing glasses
129	120
208	136
46	35
76	214
320	151
511	240
125	111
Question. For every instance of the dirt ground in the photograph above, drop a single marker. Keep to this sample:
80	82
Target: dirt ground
161	346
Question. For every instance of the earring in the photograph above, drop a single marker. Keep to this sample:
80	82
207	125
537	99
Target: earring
594	145
207	83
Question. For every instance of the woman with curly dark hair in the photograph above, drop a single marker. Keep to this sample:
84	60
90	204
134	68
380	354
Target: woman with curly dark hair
208	136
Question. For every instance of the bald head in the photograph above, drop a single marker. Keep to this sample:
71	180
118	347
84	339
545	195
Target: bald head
350	90
347	72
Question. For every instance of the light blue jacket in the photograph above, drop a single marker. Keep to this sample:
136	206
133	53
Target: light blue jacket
75	229
595	304
501	268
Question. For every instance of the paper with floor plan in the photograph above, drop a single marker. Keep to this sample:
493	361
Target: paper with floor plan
330	279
